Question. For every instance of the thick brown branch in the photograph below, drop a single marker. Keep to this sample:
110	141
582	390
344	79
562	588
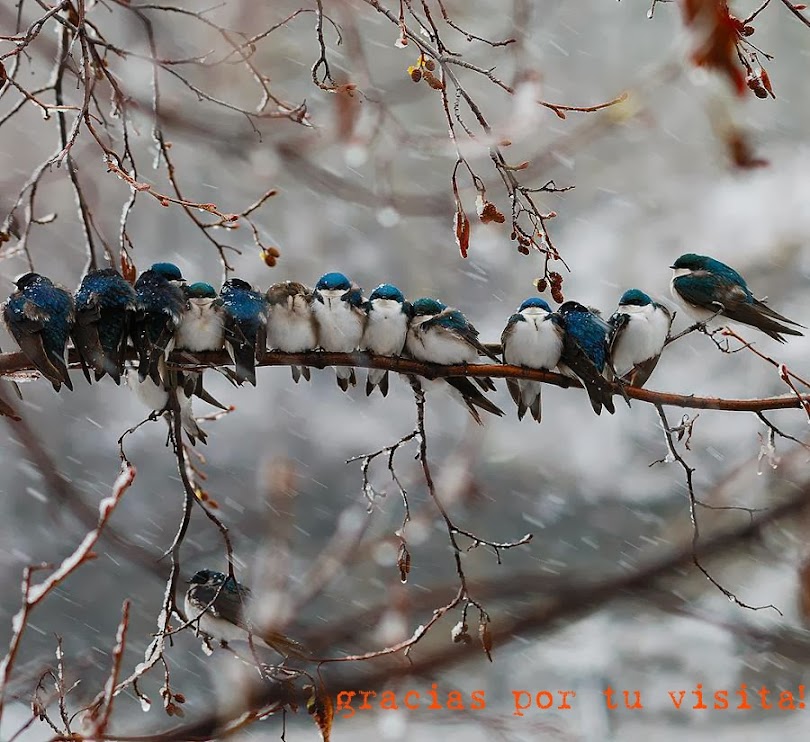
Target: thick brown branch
11	363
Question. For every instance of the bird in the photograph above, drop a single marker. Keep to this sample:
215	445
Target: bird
639	331
159	304
290	323
156	398
216	605
441	334
39	315
386	328
585	353
202	327
706	288
533	338
245	326
340	319
105	305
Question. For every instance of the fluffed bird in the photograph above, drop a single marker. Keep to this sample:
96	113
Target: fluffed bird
105	306
441	334
159	304
217	605
245	326
705	287
386	329
203	323
340	319
532	338
290	323
39	315
201	329
640	328
585	353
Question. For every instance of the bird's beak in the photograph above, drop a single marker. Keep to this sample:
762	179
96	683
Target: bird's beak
317	296
672	266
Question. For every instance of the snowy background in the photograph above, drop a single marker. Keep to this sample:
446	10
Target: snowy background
651	183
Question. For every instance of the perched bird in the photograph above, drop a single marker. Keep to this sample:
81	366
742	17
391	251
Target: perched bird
340	319
290	323
585	352
533	338
386	328
245	326
39	316
156	398
105	305
159	304
202	327
440	334
705	287
639	331
217	605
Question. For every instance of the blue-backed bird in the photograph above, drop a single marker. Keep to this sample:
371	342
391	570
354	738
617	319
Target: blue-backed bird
159	305
532	338
218	606
441	334
639	331
707	288
39	315
386	329
290	323
585	353
340	319
245	326
105	306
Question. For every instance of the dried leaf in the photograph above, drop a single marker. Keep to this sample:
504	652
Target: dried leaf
319	706
404	562
486	638
716	33
461	227
128	270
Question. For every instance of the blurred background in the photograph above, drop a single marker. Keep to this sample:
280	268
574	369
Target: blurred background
365	189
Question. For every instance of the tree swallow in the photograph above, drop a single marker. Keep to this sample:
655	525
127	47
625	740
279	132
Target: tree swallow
533	338
340	319
105	305
39	316
290	323
705	287
440	334
585	353
203	323
386	328
640	328
159	306
217	605
156	398
245	326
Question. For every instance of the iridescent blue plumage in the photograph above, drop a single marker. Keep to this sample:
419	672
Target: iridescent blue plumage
159	308
245	325
39	316
707	288
333	282
104	306
442	334
585	352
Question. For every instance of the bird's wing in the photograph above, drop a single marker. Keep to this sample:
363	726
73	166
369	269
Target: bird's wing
692	289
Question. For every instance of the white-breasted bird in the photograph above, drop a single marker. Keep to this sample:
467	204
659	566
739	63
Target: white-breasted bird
385	332
532	338
639	331
291	325
340	319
